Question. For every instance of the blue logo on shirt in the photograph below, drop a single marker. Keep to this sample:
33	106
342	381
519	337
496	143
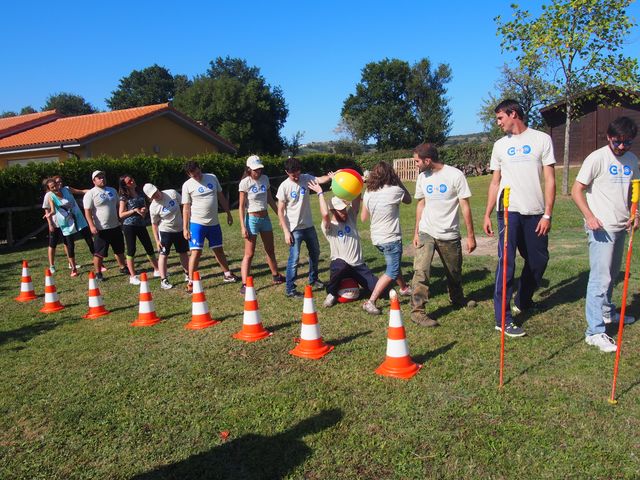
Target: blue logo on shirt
104	196
429	189
627	170
303	190
172	203
254	189
110	193
294	194
443	188
210	185
524	150
201	189
263	188
346	231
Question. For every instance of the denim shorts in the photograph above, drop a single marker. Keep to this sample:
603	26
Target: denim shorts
255	225
392	256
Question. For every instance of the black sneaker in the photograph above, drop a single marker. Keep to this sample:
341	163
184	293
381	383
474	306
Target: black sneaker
317	285
512	330
295	294
124	271
99	277
229	278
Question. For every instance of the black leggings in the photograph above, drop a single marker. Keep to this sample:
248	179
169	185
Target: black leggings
131	232
69	241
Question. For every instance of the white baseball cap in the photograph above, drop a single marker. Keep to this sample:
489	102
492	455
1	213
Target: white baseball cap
149	189
338	203
96	173
254	162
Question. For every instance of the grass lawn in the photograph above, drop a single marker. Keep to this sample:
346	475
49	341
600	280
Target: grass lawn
100	399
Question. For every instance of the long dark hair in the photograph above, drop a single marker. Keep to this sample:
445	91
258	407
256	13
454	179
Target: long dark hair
123	188
382	174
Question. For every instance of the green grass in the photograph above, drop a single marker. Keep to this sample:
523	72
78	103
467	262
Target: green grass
100	399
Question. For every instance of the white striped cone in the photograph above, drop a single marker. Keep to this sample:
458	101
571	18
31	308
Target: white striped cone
27	293
398	363
146	310
200	316
252	329
51	300
96	305
311	344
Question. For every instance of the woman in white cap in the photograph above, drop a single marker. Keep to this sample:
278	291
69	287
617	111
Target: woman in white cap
255	198
166	223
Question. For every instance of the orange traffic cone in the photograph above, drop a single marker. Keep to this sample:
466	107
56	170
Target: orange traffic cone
96	306
146	312
311	344
252	329
27	293
398	363
200	316
51	300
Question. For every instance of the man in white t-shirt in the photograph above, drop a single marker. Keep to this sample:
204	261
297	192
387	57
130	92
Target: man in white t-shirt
442	192
518	161
200	197
339	225
294	213
601	192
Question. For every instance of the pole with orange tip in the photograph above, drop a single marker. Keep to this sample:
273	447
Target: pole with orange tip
505	204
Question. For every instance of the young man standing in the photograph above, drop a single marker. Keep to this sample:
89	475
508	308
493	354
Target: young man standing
101	209
339	225
518	160
601	192
442	191
294	213
200	197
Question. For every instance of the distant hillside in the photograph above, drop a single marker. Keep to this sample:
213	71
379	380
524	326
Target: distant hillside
481	137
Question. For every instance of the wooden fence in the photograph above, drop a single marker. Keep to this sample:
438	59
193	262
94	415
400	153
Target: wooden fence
406	169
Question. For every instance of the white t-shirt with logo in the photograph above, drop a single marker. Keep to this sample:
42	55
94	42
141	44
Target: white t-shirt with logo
103	203
166	212
296	199
442	191
47	206
256	191
203	197
607	178
344	239
520	159
384	208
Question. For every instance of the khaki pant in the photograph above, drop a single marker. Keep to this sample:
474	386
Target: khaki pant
450	252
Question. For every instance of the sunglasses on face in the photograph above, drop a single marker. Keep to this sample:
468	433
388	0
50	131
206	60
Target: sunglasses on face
617	143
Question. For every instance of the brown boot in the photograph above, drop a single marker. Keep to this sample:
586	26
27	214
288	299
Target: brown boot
424	321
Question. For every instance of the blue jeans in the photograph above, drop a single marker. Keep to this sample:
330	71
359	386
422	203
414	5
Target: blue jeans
605	258
392	255
309	236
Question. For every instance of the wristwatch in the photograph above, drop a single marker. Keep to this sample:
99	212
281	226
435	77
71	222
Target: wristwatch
547	217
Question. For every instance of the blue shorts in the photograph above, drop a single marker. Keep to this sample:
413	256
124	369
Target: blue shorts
255	225
392	256
199	233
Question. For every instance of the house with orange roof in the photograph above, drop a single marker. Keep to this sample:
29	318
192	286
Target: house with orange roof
153	130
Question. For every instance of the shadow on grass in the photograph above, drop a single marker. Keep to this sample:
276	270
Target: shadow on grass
24	334
350	338
275	328
425	357
251	456
544	360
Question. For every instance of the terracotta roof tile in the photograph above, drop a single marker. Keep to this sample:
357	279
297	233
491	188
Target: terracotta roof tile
18	123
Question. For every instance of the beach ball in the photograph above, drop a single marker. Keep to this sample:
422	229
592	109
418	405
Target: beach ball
346	184
348	290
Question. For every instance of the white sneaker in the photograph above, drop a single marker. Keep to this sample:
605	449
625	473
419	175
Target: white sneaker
134	280
603	341
369	307
156	274
330	301
616	319
165	285
71	266
52	268
406	291
186	277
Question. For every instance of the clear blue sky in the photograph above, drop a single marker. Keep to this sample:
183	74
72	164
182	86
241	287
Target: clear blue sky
313	50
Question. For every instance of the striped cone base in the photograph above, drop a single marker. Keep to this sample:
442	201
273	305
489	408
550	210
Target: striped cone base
51	300
27	293
252	329
96	305
311	344
398	363
200	316
146	311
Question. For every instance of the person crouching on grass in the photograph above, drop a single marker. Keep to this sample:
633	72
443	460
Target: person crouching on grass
339	225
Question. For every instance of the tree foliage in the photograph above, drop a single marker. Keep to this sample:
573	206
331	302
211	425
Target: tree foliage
578	46
68	104
521	84
399	105
149	86
235	101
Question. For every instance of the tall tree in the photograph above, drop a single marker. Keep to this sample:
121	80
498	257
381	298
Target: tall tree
525	86
235	101
68	104
27	110
399	105
577	43
148	86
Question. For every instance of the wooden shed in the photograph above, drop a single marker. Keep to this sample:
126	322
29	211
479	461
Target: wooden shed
589	130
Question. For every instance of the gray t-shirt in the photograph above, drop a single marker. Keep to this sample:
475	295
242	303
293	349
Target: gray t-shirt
607	178
296	199
256	191
203	197
103	204
384	208
166	212
344	239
